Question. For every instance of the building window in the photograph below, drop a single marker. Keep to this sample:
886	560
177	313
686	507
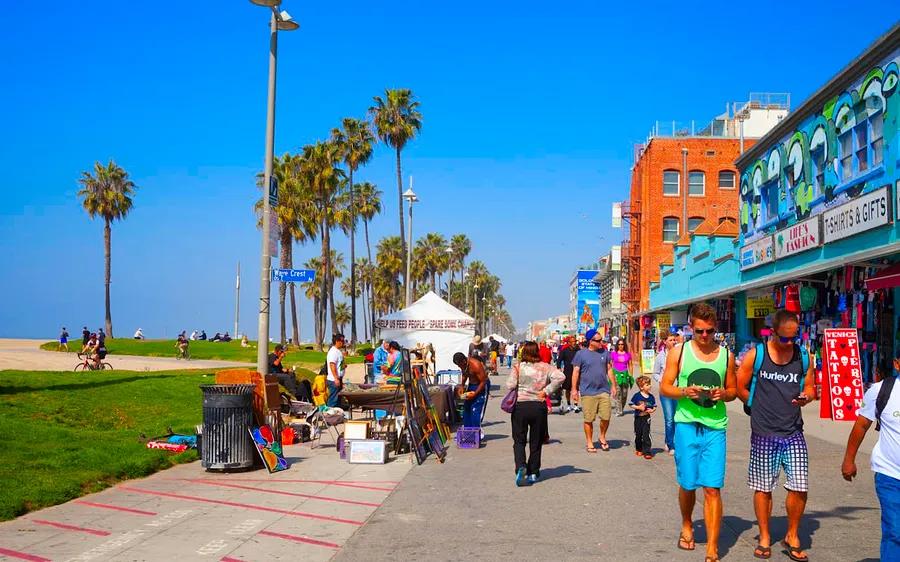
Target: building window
693	223
861	135
877	138
818	162
845	144
726	179
696	183
770	198
671	179
670	229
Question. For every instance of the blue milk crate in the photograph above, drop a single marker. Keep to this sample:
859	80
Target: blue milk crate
468	437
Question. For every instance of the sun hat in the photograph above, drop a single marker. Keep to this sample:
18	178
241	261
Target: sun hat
477	340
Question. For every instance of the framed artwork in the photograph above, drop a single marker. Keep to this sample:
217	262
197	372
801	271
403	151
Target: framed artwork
269	449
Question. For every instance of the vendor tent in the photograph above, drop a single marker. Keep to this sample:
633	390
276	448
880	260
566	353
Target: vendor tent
432	320
497	337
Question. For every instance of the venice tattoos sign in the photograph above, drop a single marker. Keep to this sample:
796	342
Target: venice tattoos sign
842	391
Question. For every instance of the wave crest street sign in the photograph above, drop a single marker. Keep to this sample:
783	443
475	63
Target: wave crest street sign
293	275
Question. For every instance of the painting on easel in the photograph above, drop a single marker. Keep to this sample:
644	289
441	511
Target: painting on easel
269	449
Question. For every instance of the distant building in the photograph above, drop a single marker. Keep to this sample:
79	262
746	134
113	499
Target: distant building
613	313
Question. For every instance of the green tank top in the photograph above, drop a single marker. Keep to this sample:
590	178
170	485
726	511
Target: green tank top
694	371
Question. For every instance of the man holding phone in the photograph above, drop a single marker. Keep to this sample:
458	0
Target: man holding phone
775	387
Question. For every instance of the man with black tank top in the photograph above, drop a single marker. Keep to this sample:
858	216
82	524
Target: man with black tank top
779	389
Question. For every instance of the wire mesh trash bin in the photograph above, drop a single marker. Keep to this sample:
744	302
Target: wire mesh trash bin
227	419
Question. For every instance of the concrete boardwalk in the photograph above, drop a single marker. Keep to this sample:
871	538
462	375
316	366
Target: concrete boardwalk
26	355
604	506
305	513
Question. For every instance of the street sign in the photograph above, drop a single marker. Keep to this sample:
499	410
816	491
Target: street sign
293	275
273	190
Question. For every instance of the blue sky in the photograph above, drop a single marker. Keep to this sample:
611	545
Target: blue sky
531	110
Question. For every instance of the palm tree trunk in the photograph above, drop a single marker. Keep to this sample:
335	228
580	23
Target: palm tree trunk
295	324
323	292
107	254
371	287
282	287
400	208
331	308
352	265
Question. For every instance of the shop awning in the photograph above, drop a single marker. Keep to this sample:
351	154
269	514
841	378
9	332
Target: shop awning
887	278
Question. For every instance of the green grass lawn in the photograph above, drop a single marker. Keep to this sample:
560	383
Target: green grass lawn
64	435
230	351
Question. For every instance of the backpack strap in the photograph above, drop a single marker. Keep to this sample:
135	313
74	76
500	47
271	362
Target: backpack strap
757	363
884	394
804	360
680	355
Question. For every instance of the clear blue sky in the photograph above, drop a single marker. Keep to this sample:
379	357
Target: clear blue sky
530	111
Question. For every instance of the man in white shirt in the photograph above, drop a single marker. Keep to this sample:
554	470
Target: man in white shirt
335	365
885	460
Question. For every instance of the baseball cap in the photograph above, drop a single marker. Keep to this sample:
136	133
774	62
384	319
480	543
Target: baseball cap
589	335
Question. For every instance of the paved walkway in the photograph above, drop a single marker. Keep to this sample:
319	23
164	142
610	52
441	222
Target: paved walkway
305	513
26	355
604	506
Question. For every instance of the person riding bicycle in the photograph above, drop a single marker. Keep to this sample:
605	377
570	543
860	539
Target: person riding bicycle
182	344
91	349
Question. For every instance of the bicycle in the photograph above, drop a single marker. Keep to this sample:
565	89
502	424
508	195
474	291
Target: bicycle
88	365
183	353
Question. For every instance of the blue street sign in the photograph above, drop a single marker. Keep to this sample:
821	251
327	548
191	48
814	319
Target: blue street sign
273	190
293	275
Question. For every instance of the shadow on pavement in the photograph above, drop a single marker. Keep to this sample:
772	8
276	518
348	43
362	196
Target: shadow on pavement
494	437
618	443
560	471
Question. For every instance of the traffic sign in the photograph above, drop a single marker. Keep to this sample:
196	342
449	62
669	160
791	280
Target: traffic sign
273	190
293	275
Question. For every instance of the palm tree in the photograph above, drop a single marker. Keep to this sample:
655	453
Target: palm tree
431	250
397	121
390	262
364	286
296	218
460	246
312	292
368	204
107	193
355	141
343	316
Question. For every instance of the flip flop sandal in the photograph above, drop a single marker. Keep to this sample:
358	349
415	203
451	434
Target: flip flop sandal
591	450
762	552
604	446
792	552
690	544
711	559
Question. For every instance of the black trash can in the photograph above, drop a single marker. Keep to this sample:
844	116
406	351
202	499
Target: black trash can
227	419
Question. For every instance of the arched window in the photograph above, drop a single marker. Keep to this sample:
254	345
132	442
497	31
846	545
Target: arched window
693	223
671	182
671	229
726	179
696	183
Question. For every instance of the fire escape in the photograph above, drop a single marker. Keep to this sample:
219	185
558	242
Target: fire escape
631	256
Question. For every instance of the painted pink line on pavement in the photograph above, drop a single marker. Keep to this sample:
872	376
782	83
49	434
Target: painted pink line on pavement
280	493
329	482
115	507
304	540
243	505
97	532
230	559
22	555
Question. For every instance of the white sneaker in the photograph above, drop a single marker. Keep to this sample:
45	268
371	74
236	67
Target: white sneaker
577	409
671	451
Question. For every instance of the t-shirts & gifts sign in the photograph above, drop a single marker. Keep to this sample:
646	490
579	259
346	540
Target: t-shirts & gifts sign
843	391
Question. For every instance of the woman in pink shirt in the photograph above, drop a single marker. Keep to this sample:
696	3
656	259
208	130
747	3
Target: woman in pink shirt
621	367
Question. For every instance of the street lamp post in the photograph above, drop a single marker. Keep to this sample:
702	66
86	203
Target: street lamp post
278	22
475	307
483	311
410	196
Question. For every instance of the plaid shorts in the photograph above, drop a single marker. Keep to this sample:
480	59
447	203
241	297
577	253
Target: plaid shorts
769	454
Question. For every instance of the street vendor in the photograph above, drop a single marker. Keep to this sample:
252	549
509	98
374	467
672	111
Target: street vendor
379	360
473	388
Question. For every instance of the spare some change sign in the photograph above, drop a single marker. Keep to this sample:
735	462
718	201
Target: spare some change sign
859	215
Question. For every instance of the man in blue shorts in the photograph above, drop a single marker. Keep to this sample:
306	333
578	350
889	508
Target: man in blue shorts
700	375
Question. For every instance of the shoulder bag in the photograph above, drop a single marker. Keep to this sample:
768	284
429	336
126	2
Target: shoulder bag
508	404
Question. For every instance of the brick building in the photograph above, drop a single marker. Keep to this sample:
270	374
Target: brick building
681	178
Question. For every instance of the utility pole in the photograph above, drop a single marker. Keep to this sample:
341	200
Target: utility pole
237	301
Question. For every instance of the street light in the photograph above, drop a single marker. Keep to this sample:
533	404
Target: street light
279	21
410	196
475	304
483	309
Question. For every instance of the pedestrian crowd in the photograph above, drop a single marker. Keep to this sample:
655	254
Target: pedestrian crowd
695	378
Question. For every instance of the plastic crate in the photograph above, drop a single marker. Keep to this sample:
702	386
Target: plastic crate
468	437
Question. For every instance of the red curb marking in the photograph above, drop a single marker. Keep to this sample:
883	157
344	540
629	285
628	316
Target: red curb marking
230	559
295	494
116	507
72	527
243	505
22	555
305	540
329	482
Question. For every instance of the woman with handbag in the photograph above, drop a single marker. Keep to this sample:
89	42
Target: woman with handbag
529	384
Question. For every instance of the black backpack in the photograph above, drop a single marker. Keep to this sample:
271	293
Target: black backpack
884	394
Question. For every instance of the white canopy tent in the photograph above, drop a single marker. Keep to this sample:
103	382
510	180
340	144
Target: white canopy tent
432	320
497	337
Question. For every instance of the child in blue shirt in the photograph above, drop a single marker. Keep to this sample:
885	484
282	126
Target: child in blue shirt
643	404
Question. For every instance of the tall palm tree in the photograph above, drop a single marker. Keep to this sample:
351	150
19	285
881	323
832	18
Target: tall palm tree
343	316
368	204
460	246
312	292
355	140
397	121
296	219
364	286
390	262
432	251
107	193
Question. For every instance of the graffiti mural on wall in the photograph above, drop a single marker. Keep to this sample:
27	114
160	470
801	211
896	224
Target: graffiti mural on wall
848	147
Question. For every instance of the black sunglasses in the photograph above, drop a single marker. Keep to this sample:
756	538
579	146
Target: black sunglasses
598	341
709	331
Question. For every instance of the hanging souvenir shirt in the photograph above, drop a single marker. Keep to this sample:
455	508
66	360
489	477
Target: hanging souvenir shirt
792	298
808	298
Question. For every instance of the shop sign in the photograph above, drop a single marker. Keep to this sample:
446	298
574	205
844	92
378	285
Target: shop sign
760	307
615	264
615	299
617	215
798	238
648	357
428	324
859	215
663	321
842	392
757	253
